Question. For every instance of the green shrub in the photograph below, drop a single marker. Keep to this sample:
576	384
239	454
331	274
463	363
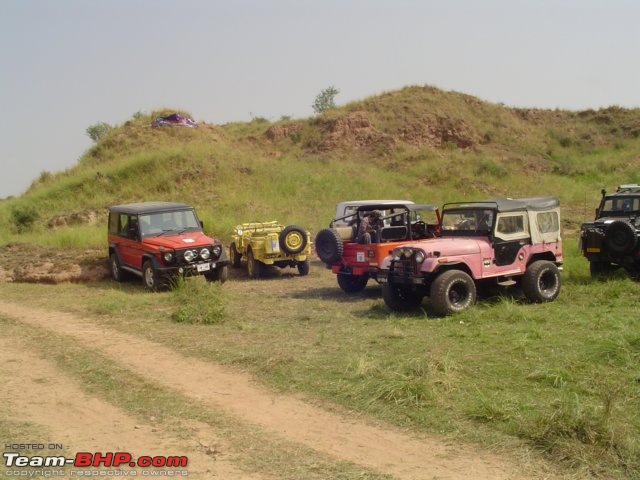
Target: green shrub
325	100
23	217
98	131
199	302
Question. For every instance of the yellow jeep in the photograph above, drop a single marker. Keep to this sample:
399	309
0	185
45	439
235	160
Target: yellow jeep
269	243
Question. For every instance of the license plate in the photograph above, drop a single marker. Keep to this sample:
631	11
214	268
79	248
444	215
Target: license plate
203	267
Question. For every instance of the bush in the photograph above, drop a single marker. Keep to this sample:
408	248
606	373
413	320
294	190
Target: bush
98	131
199	302
325	100
23	217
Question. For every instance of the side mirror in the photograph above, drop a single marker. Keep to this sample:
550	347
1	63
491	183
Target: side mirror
201	224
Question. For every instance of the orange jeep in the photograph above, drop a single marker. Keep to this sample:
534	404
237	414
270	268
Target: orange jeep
355	244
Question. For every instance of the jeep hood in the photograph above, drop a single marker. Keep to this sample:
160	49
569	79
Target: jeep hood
450	246
183	240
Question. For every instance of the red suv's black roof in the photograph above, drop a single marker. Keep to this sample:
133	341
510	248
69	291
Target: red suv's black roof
149	207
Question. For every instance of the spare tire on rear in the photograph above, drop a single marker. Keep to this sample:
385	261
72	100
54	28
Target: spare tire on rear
329	246
621	237
293	239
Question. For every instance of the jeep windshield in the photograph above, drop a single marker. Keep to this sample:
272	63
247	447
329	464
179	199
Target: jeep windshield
620	206
467	221
166	223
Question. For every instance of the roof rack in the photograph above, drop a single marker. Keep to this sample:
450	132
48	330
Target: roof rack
628	188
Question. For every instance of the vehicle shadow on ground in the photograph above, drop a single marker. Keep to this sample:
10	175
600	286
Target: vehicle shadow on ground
130	286
380	311
336	294
240	274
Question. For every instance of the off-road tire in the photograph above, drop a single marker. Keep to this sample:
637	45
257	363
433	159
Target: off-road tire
329	246
620	237
219	274
117	273
601	270
235	256
541	282
293	239
150	277
303	267
401	298
254	267
452	292
352	283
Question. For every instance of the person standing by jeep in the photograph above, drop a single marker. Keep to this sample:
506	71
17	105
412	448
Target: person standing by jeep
368	228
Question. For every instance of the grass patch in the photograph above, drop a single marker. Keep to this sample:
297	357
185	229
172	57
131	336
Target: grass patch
208	309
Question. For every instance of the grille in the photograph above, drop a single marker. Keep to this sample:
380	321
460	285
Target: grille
404	267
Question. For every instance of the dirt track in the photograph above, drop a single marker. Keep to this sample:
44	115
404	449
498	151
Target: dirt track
384	450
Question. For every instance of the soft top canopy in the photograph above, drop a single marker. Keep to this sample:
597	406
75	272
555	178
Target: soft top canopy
389	206
510	204
149	207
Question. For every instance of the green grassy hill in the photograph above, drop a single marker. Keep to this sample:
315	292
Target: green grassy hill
419	143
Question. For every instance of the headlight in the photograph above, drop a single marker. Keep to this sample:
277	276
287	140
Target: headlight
189	255
239	232
205	254
217	250
407	252
420	256
168	257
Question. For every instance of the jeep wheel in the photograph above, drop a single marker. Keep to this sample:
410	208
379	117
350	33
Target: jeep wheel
150	277
235	256
601	270
254	267
219	274
293	239
541	282
116	271
401	298
329	246
621	238
352	283
452	292
303	267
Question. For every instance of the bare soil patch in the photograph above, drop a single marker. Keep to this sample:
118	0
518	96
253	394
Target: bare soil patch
34	264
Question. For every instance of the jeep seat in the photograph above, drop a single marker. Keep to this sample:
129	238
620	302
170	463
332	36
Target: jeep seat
393	233
347	234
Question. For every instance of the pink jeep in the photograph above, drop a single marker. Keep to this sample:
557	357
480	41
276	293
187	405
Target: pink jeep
495	242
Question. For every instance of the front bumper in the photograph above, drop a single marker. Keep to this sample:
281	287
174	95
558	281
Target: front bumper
198	268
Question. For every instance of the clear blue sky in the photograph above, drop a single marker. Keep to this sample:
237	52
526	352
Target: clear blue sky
67	64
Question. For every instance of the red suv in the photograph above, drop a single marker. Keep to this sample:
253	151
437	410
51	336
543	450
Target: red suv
159	240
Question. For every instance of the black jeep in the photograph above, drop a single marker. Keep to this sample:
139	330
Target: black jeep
611	240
